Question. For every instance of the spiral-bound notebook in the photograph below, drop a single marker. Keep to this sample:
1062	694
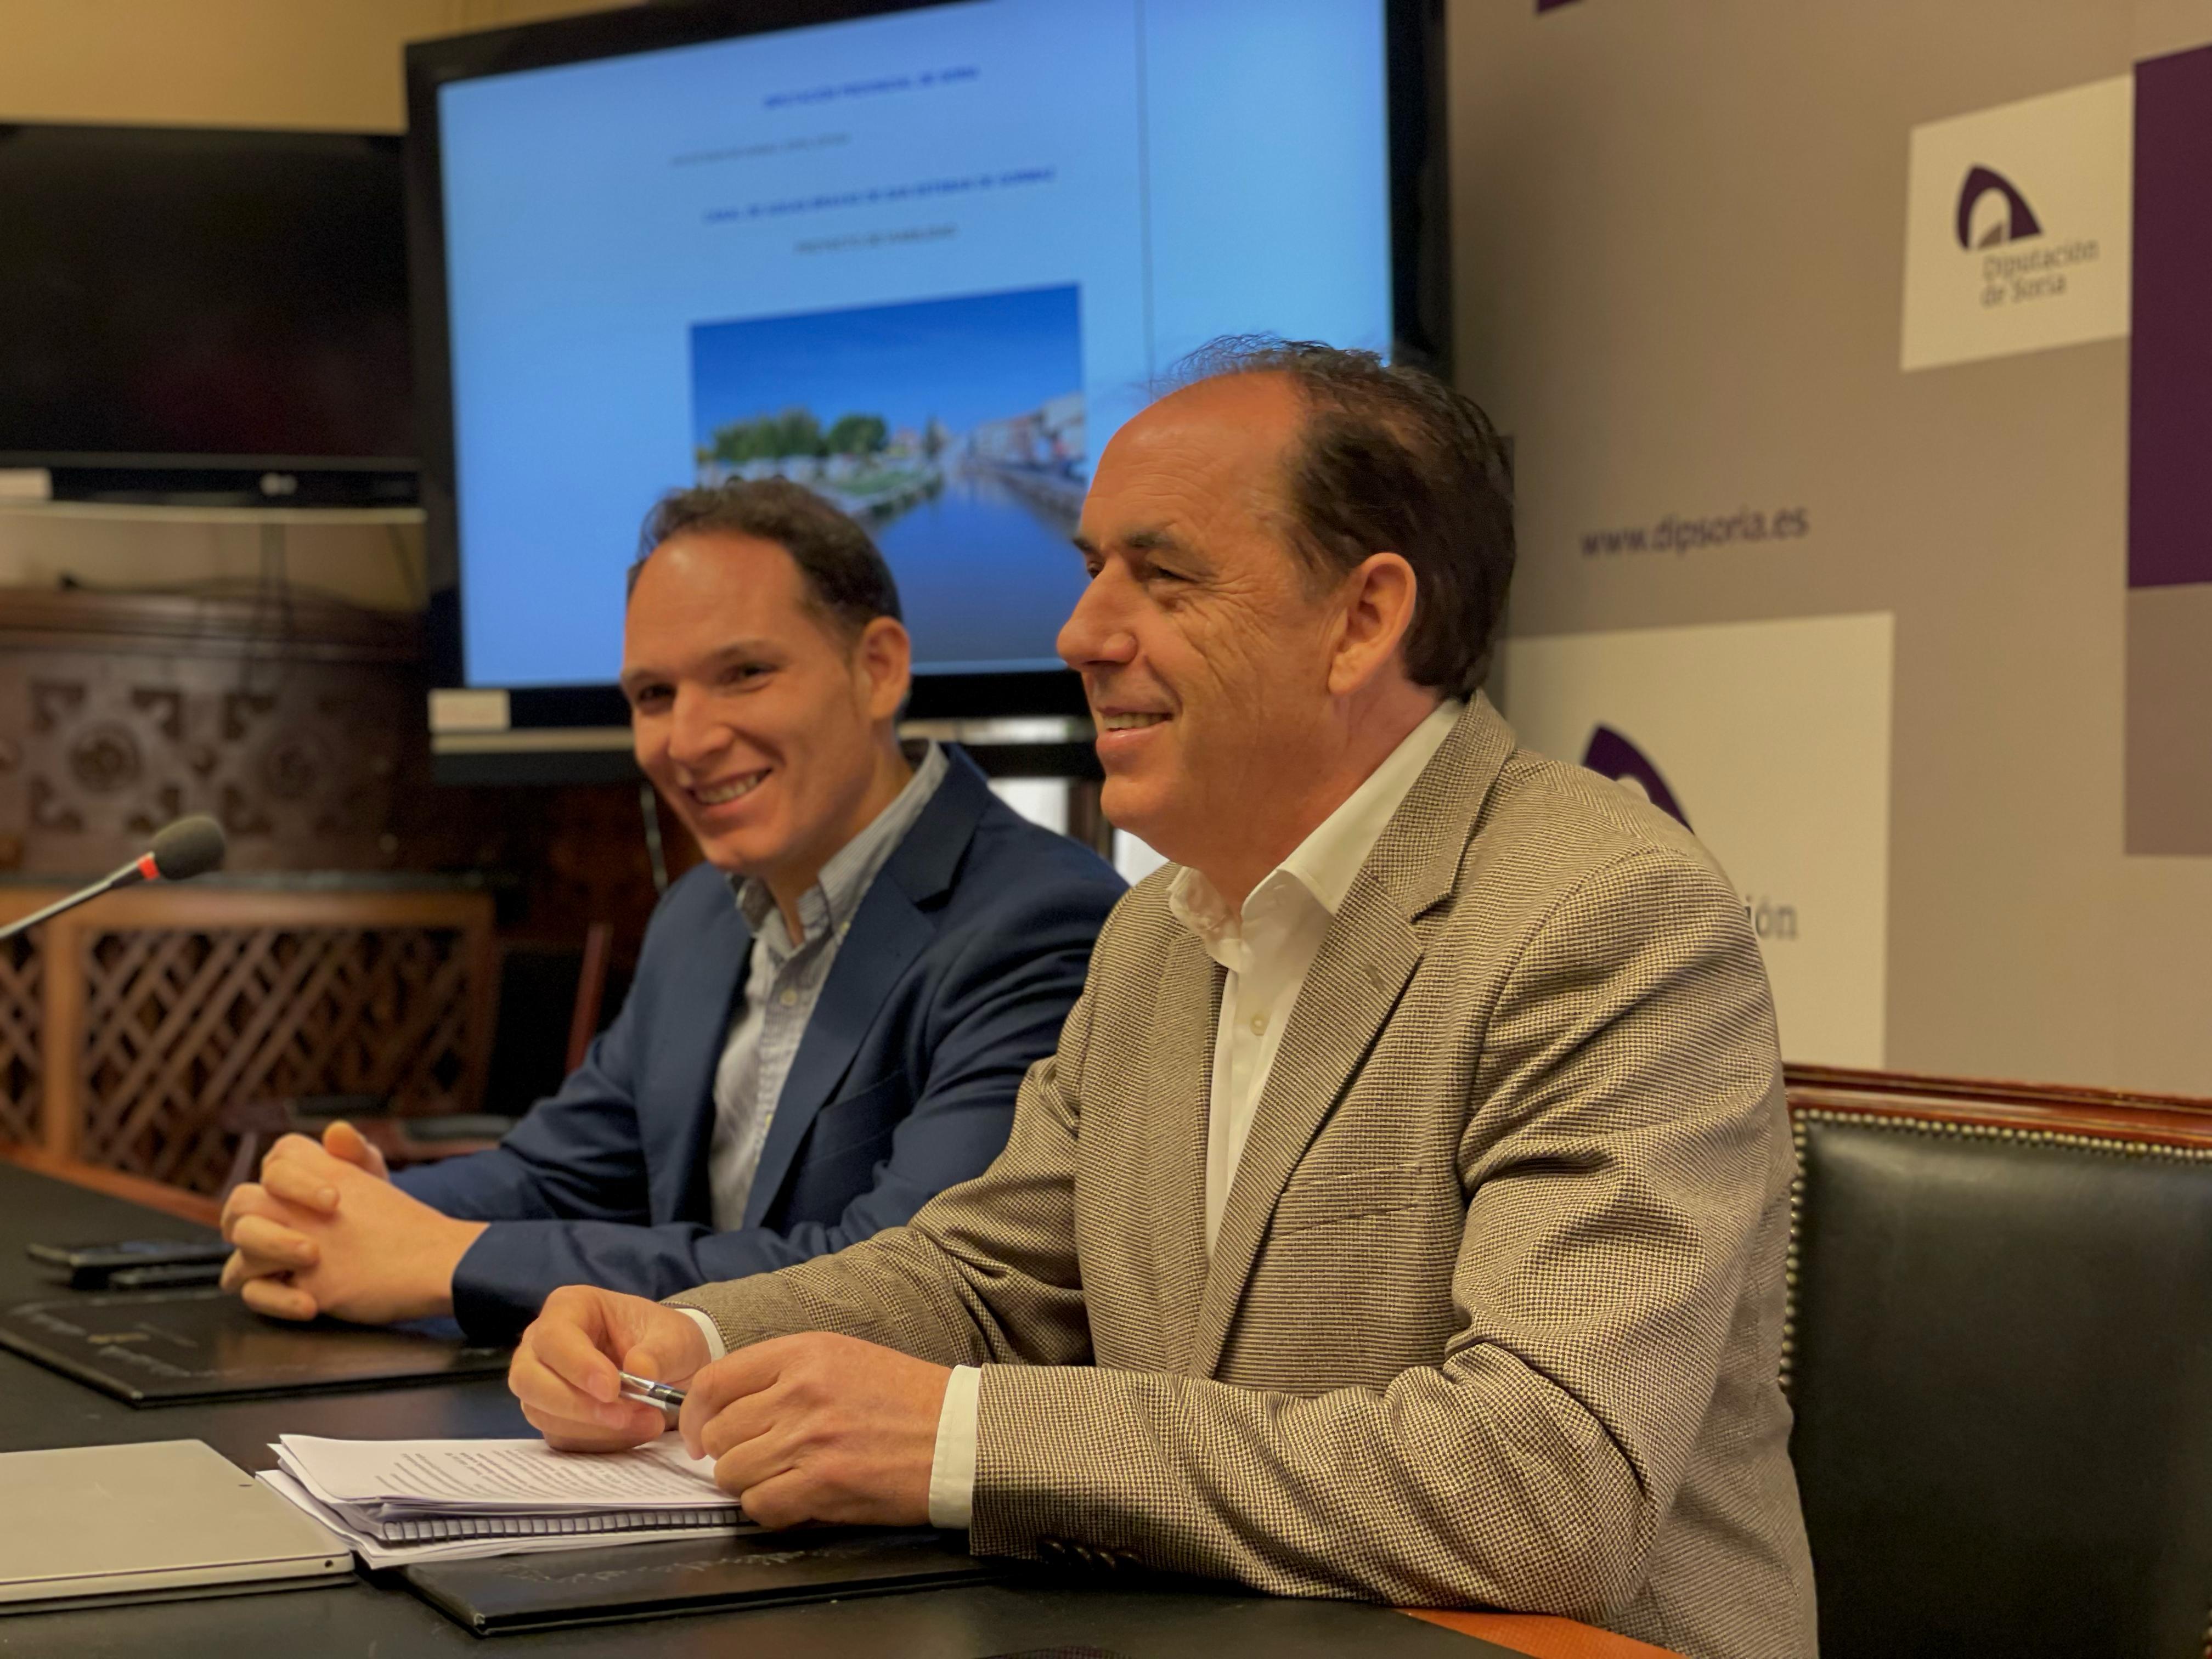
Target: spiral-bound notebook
396	1501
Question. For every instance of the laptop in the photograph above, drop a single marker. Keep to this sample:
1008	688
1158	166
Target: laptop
86	1525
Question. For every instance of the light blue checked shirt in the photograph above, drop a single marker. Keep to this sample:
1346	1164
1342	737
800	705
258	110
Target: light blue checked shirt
783	983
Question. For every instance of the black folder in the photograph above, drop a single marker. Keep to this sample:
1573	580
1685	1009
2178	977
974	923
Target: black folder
161	1348
499	1595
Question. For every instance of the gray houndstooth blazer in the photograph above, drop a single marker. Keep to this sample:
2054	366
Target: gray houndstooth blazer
1495	1313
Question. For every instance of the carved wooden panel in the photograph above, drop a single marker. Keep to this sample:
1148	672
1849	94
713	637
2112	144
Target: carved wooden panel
22	1063
157	1009
301	725
294	726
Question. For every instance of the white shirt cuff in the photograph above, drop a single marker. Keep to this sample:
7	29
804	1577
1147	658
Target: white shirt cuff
952	1469
952	1465
715	1346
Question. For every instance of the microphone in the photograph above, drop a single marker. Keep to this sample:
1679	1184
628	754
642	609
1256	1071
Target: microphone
190	846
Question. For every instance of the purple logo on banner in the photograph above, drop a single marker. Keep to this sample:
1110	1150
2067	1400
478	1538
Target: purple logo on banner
2018	222
1611	755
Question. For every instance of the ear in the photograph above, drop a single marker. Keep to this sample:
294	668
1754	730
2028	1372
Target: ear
1378	600
883	654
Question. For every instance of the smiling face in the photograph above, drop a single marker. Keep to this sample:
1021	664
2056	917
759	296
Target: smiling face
1205	645
765	727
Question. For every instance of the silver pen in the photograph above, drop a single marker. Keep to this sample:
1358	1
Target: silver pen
647	1392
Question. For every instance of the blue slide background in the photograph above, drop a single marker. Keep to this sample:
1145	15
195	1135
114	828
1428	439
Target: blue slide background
1191	168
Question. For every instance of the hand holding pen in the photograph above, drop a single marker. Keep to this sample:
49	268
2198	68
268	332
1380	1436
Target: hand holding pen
647	1392
568	1368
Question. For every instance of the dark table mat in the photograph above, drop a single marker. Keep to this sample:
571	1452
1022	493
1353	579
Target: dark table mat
505	1594
160	1347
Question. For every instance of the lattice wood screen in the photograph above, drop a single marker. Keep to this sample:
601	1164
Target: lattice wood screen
171	1005
21	1065
180	1024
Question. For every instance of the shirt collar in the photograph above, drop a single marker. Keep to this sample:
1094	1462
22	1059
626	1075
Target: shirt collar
828	906
1326	862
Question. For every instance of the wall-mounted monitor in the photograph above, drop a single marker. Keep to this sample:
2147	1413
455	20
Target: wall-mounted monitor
924	258
199	316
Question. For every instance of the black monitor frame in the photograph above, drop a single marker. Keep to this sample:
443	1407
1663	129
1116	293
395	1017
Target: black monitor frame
237	478
1421	307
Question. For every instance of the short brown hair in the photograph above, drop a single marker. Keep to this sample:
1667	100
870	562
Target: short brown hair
1394	460
846	581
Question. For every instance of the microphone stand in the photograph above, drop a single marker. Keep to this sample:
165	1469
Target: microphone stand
139	869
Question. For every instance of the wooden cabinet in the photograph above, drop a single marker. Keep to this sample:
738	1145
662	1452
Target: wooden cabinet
299	725
296	723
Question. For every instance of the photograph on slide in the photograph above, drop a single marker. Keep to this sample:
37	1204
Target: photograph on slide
952	428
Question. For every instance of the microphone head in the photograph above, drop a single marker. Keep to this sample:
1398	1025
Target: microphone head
190	846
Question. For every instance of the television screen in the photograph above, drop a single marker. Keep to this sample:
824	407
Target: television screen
183	298
925	262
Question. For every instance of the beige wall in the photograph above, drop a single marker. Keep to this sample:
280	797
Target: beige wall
1680	233
315	64
1678	229
332	64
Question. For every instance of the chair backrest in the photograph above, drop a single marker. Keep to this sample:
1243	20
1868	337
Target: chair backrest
553	1000
584	1016
2001	1361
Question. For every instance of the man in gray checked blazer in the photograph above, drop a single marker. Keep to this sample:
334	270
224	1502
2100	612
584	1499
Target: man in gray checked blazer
1403	1214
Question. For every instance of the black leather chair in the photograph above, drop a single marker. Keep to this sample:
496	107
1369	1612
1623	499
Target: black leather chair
2001	1360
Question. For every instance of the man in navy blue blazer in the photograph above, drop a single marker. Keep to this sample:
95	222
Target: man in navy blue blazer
830	1018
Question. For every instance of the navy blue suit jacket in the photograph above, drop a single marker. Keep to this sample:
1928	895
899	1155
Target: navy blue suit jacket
963	960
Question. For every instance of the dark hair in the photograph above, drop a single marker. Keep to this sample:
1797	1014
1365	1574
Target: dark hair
845	580
1394	460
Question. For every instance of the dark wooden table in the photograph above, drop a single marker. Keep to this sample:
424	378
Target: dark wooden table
40	1408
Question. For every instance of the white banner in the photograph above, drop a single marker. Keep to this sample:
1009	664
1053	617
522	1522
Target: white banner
1771	740
2018	231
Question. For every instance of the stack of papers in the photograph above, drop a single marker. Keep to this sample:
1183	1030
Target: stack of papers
399	1501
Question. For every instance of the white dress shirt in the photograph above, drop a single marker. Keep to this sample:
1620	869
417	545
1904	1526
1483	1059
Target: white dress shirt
1267	949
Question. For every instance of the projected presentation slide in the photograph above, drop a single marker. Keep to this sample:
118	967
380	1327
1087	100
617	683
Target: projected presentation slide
923	264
